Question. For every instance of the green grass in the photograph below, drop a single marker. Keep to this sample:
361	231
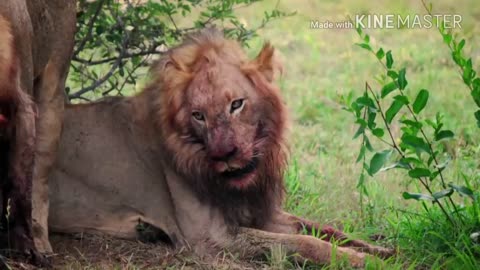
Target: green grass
322	64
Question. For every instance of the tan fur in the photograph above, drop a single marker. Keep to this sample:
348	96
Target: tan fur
149	159
5	53
40	47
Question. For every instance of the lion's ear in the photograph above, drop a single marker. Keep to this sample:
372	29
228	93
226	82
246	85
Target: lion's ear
171	71
169	62
267	63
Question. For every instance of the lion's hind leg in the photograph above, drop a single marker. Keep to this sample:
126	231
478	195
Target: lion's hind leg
253	243
328	233
16	194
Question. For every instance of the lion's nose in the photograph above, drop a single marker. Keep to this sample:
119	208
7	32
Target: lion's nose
223	153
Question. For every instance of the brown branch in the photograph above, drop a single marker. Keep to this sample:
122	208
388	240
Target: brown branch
173	22
106	60
90	25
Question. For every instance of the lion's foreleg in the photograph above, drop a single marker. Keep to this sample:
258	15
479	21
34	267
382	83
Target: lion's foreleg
252	242
50	102
329	233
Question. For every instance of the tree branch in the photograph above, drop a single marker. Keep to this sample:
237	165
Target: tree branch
90	25
118	62
126	56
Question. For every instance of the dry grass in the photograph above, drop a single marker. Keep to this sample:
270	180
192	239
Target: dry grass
92	252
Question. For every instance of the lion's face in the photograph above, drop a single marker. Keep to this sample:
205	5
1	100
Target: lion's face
225	117
222	117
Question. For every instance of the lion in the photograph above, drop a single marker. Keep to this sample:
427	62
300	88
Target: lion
199	154
36	43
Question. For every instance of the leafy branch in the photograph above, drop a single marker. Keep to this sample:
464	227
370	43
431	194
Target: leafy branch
116	40
469	75
416	152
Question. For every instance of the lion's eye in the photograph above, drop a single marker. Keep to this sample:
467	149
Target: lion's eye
198	116
236	104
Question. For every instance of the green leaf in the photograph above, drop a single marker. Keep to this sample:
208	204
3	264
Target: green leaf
412	123
457	58
359	30
411	160
477	116
393	110
378	132
401	98
399	164
460	45
364	46
434	175
361	154
442	28
361	122
447	38
430	160
444	134
420	101
402	81
366	38
380	54
392	74
360	131
368	145
419	172
389	60
476	82
361	180
443	193
378	160
416	196
468	72
366	101
388	88
464	191
476	94
371	120
415	142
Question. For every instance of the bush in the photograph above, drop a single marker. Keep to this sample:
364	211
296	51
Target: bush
117	39
444	232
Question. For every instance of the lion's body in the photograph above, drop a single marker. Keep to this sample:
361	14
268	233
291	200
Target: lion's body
111	174
199	154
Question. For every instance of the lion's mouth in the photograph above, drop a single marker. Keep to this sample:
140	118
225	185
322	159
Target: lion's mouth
239	173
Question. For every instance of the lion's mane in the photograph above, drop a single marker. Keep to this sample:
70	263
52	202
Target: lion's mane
172	74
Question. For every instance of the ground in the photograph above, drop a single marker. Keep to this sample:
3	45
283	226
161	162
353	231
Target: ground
320	65
103	252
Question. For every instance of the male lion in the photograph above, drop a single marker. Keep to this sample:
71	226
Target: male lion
199	154
36	42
